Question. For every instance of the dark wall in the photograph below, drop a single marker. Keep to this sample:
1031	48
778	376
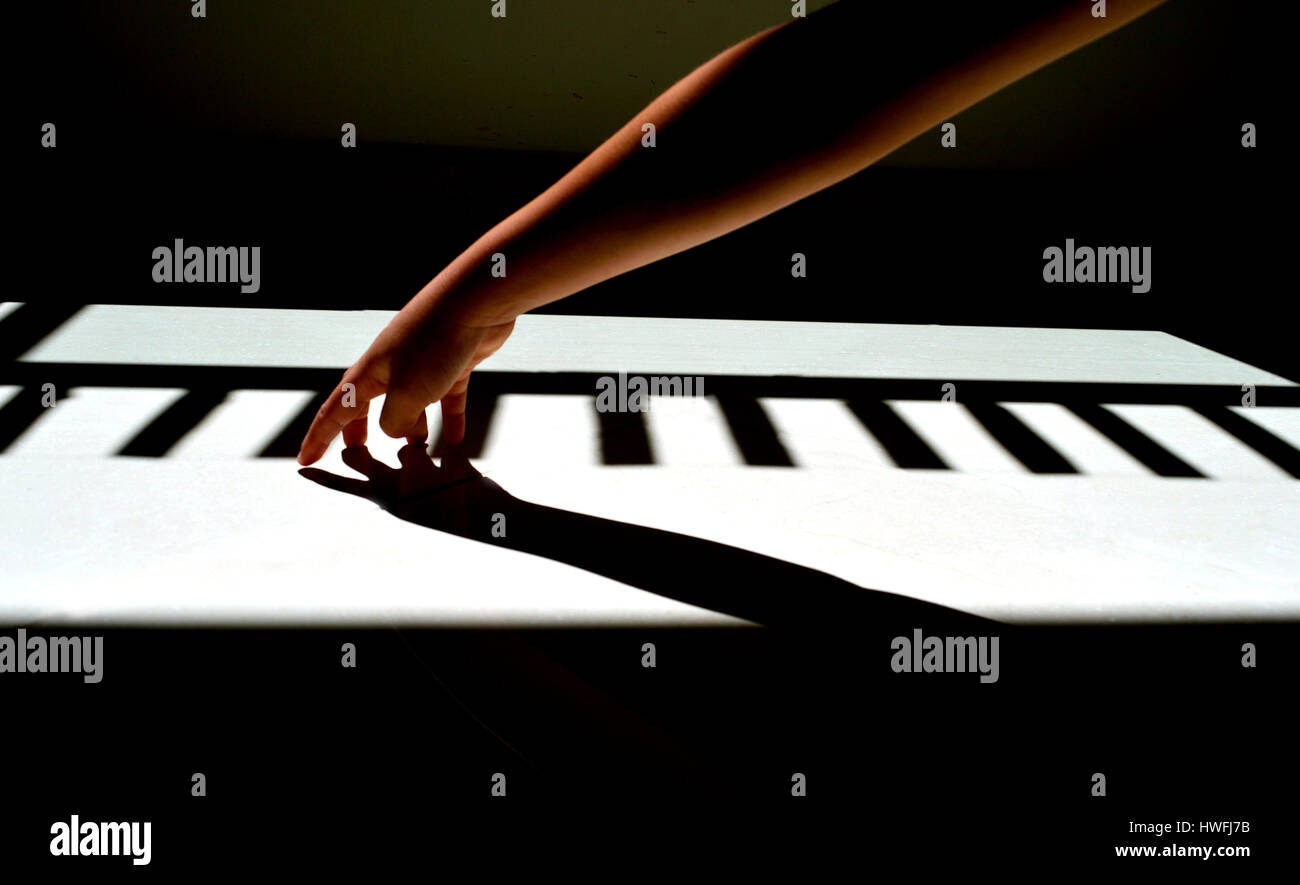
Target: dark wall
1132	141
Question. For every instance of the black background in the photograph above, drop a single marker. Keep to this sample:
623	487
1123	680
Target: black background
309	762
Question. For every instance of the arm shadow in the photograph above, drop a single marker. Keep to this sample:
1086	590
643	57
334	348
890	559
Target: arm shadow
455	498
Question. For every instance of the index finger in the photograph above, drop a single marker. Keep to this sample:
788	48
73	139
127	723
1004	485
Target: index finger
347	402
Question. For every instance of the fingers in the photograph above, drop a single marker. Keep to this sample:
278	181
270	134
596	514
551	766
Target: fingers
355	432
403	412
348	411
426	370
421	369
453	411
347	404
420	432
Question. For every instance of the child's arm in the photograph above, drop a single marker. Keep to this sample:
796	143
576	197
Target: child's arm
765	123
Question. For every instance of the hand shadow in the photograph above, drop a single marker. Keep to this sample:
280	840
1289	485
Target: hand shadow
454	497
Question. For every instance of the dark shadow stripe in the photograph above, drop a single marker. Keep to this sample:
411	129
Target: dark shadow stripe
178	419
901	442
755	436
1015	436
1158	459
624	438
24	410
30	324
1275	449
286	442
757	439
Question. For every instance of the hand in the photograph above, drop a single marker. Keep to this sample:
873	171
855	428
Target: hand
425	355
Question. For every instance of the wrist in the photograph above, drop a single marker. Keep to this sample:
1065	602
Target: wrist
457	299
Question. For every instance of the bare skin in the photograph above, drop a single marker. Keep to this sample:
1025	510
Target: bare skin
780	115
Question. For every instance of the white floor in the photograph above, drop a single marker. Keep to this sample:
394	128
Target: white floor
210	534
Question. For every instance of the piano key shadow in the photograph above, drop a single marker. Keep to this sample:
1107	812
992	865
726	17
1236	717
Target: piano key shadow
624	437
453	497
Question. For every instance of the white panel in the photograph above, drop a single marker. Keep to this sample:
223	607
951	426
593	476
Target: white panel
545	432
690	431
542	343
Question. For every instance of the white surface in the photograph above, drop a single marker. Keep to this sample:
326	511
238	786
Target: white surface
211	535
334	339
162	541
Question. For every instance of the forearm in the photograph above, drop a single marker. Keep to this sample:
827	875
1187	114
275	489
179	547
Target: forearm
765	123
